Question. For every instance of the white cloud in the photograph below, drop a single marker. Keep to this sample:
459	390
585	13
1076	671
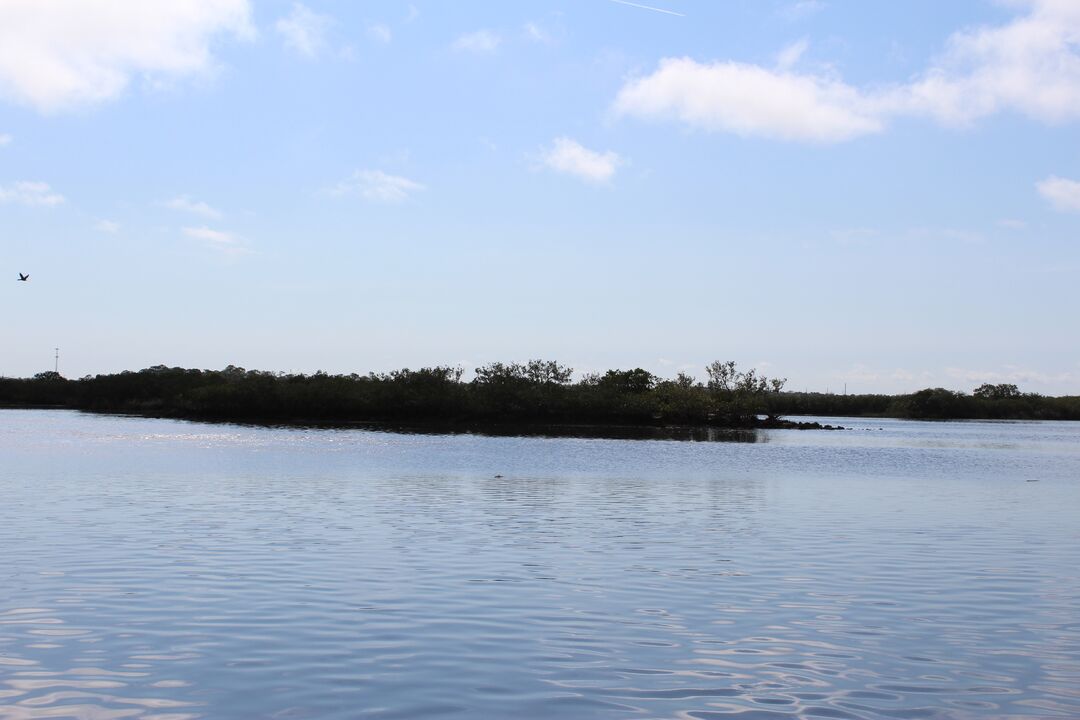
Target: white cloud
749	100
1012	224
377	186
1030	65
802	8
31	193
481	41
380	32
790	56
536	33
56	54
1063	194
304	30
568	156
412	13
219	240
107	226
205	233
184	203
946	234
5	139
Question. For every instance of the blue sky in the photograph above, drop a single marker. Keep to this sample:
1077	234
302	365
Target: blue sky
880	194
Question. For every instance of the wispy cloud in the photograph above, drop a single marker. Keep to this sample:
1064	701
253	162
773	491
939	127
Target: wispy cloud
648	7
1030	65
481	42
30	193
304	30
380	32
1063	194
570	157
1011	374
107	226
946	234
205	233
790	55
220	240
61	55
801	9
536	33
377	186
5	139
184	203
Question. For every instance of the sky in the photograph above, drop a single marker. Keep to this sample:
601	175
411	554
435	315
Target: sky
868	195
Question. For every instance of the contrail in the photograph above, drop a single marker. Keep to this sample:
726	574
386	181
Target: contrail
648	7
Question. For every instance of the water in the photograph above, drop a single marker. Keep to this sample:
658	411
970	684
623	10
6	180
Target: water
168	570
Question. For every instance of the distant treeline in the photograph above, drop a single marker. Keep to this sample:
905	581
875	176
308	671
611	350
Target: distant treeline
932	404
538	391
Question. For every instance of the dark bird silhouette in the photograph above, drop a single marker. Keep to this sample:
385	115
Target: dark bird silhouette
23	278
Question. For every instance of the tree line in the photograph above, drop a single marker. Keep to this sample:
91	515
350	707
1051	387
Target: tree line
537	391
986	402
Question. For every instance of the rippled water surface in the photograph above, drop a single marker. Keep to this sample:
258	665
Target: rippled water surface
161	569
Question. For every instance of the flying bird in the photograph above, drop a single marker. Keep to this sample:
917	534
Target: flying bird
23	278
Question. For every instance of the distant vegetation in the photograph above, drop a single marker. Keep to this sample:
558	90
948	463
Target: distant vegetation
538	391
986	402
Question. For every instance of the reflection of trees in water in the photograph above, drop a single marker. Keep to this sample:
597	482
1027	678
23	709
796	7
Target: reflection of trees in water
601	432
578	491
726	435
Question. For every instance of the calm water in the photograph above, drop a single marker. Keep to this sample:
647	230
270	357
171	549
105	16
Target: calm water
160	569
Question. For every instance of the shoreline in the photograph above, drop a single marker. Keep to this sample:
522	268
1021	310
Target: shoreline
492	428
539	394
